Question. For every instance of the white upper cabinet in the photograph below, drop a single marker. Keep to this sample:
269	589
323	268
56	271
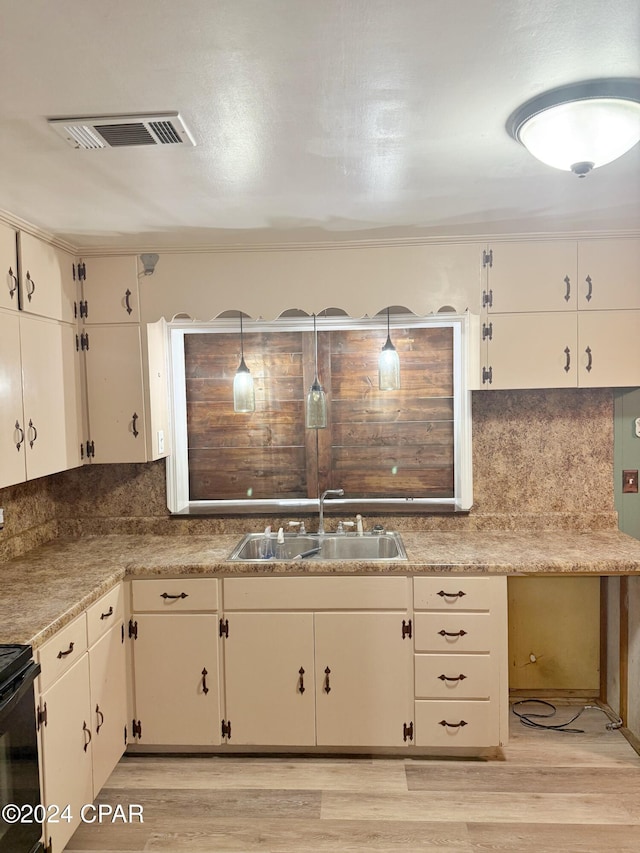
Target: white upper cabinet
12	464
531	276
608	274
110	290
8	268
47	285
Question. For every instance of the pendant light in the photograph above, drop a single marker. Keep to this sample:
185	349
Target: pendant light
244	399
315	415
580	126
389	365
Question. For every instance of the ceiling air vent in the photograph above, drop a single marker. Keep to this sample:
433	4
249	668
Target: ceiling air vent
122	131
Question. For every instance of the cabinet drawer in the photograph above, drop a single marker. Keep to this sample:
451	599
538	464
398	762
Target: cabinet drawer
59	653
457	724
455	676
455	632
458	593
194	594
317	593
104	614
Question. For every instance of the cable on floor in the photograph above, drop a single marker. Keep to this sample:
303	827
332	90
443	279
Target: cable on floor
531	719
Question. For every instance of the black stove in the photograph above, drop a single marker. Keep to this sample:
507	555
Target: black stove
13	659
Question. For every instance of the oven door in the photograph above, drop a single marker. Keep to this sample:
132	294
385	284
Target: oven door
20	832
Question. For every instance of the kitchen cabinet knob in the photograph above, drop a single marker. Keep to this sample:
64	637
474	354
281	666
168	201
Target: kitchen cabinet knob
205	689
453	725
21	439
100	716
567	294
444	594
589	359
444	677
87	732
134	420
127	304
567	364
327	685
14	280
33	430
64	654
444	633
107	614
31	286
589	288
301	687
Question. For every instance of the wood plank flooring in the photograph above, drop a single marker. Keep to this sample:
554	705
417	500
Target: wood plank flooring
546	792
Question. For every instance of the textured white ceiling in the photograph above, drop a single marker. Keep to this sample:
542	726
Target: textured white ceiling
315	120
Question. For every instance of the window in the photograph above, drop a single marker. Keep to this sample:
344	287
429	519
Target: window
406	450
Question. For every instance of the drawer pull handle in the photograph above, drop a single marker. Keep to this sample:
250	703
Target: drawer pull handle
205	689
127	303
134	425
107	614
444	594
14	279
68	652
589	360
87	731
453	725
21	439
327	685
444	677
100	716
567	364
444	633
301	682
166	595
30	289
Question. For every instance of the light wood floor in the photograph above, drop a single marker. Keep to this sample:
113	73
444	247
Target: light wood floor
544	793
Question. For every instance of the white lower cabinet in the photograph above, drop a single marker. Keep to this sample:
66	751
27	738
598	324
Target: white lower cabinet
81	713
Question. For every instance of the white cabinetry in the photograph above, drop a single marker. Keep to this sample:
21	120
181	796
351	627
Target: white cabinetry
81	712
47	284
174	631
8	268
461	681
561	314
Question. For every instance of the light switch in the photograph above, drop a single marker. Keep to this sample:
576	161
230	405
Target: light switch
638	427
160	441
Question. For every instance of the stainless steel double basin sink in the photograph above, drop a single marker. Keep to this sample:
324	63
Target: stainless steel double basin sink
371	547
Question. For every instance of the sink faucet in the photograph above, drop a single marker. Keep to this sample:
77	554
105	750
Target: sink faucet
322	497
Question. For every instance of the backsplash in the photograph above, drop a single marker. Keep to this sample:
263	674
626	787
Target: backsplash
542	460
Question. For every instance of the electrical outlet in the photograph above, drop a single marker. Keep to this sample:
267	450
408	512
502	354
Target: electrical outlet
160	441
629	482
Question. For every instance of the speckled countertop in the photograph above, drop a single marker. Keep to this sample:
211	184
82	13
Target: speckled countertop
43	590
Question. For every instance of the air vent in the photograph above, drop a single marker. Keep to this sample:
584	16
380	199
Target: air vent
122	131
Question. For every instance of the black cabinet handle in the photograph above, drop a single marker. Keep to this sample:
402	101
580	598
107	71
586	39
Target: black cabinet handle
21	439
32	441
107	614
301	687
14	278
444	594
87	731
134	419
444	677
327	685
205	689
127	304
589	288
68	652
567	364
444	633
567	295
30	290
589	359
166	595
459	725
100	719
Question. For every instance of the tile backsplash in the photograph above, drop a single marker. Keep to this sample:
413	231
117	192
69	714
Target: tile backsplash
542	460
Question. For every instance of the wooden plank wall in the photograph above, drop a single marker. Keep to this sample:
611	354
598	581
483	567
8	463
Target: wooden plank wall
377	444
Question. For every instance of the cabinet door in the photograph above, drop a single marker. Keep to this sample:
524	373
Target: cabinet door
115	394
110	290
364	679
12	448
47	285
608	274
533	351
533	276
67	749
8	268
609	349
176	702
52	443
269	679
108	703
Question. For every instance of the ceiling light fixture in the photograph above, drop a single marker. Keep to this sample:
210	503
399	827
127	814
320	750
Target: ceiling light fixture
315	415
388	365
580	126
244	399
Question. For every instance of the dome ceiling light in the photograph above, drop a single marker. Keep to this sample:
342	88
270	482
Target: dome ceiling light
580	126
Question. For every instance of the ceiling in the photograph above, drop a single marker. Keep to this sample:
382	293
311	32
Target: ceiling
315	121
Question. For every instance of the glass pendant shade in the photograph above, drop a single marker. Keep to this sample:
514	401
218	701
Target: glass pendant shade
578	128
244	399
389	365
315	412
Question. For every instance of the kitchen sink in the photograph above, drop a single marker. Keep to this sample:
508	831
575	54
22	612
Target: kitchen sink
327	546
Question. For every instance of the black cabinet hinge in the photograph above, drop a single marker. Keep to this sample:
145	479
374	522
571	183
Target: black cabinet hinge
84	341
77	343
487	331
406	629
136	728
224	628
487	375
407	731
82	271
84	308
226	729
487	258
487	299
133	629
91	449
125	735
42	716
122	631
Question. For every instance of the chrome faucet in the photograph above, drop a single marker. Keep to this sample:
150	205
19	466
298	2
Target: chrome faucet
322	497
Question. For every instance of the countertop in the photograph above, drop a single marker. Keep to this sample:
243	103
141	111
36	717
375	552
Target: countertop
43	590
